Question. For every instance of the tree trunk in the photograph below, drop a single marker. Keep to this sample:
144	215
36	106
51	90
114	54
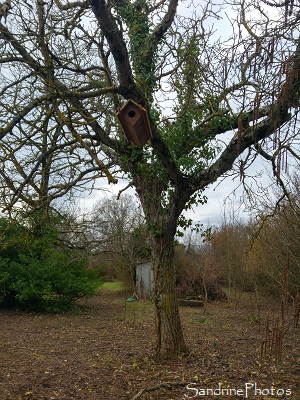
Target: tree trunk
169	335
162	221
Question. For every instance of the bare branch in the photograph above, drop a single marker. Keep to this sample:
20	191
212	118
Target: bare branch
165	385
117	47
161	29
93	155
130	184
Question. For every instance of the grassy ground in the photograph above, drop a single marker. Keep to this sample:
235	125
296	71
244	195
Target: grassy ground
113	287
105	351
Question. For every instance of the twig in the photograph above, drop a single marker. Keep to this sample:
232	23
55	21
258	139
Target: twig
130	184
165	385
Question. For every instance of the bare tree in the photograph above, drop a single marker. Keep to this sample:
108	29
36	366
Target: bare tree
275	239
67	67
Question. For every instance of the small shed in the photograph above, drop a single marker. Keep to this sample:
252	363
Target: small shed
144	279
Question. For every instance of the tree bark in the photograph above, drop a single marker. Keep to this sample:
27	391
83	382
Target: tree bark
169	335
162	218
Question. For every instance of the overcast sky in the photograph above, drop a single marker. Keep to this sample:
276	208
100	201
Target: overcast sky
224	196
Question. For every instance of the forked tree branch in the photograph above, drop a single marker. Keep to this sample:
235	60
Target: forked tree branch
278	115
158	33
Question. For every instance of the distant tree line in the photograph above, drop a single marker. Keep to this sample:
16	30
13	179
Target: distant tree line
249	255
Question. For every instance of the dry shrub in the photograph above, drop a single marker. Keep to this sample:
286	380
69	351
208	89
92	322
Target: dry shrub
197	276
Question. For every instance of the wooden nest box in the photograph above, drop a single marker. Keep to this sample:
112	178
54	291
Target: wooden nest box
135	123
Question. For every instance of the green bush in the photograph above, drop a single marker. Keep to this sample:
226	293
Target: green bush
50	285
45	280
